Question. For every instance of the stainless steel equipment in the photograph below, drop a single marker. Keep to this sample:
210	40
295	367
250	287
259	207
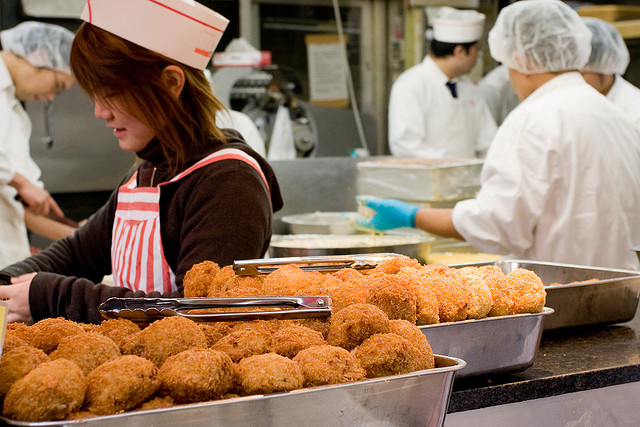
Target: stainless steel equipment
318	223
411	245
324	263
581	295
490	345
419	398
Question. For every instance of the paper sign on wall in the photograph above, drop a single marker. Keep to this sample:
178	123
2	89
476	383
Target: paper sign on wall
326	67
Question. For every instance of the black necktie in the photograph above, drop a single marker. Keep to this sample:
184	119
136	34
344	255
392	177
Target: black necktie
452	88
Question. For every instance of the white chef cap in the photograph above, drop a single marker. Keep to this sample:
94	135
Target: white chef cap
609	52
43	45
183	30
539	36
457	26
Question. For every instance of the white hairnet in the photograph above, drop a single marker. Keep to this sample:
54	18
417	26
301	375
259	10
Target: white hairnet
540	36
609	52
43	45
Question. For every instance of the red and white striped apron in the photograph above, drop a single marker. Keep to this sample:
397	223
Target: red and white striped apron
137	256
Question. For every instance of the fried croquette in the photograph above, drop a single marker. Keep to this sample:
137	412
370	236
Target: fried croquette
244	341
328	364
156	403
502	303
242	286
47	333
416	337
479	294
528	291
288	280
223	276
344	292
21	330
18	362
289	340
117	329
268	373
120	384
382	355
317	324
164	338
352	325
197	375
426	300
394	265
199	278
11	341
453	296
394	294
50	391
214	331
88	350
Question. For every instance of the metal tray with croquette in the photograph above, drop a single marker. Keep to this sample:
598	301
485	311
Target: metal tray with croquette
580	295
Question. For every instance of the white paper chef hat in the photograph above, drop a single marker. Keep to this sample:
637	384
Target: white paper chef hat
182	30
457	26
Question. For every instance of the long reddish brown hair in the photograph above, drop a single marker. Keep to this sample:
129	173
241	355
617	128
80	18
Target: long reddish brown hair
113	69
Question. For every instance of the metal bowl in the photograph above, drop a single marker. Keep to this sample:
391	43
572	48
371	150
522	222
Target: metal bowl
318	223
415	246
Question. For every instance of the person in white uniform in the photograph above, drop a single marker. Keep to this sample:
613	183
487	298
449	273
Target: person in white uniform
560	182
608	62
245	126
435	111
34	65
495	87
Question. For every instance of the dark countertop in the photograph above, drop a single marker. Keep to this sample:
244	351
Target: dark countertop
568	360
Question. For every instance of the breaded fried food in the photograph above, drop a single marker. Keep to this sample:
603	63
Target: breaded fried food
244	341
290	340
156	403
394	294
242	286
118	329
21	330
164	338
502	303
288	280
268	373
328	364
382	355
214	331
352	325
11	341
427	311
121	384
47	333
319	324
453	296
197	375
479	294
344	290
416	337
16	363
223	276
51	391
199	278
394	265
529	294
88	350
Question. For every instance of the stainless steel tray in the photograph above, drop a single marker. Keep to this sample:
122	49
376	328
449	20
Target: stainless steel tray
612	298
420	180
490	345
419	398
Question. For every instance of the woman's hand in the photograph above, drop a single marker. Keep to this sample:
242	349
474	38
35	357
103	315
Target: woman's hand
17	296
37	200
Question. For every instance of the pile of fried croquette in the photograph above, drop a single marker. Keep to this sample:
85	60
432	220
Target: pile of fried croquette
57	369
402	287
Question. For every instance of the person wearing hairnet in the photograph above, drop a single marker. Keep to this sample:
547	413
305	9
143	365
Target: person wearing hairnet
608	62
34	65
435	111
560	182
495	88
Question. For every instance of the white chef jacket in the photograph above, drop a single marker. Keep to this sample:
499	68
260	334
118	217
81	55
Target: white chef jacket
15	131
242	123
496	90
627	97
560	182
425	120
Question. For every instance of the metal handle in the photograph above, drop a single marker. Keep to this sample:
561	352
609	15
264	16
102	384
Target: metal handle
312	263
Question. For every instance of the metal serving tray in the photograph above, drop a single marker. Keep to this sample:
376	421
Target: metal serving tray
420	180
419	398
611	298
490	345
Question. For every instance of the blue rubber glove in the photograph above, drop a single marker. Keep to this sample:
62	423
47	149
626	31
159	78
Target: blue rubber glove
390	213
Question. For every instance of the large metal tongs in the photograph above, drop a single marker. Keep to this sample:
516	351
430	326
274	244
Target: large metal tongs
149	309
252	267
